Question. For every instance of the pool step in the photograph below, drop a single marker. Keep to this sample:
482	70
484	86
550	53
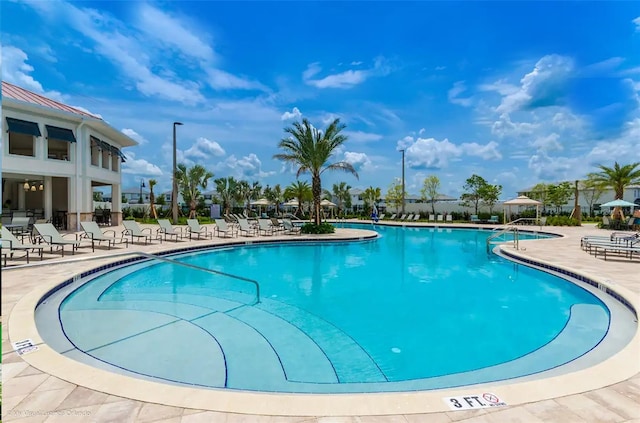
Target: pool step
148	343
350	361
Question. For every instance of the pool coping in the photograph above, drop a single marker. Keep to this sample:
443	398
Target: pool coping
21	325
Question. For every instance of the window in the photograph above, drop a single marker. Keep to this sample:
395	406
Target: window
21	144
115	162
106	152
58	144
96	147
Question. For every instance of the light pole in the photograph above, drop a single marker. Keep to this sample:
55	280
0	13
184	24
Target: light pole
174	192
402	180
140	200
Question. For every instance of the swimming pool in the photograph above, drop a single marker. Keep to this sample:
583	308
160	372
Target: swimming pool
414	309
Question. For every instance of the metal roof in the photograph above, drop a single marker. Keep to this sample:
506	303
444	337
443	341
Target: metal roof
18	93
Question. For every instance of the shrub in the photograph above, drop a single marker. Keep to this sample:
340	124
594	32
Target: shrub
562	221
323	228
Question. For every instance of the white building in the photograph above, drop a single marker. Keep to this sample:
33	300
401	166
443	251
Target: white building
585	196
53	155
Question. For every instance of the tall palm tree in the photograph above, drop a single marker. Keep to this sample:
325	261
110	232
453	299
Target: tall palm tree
618	177
311	149
301	191
341	194
227	189
152	198
190	181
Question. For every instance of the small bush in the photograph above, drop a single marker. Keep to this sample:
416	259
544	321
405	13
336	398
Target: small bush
562	221
323	228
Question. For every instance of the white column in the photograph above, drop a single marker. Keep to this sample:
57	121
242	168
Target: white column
116	197
48	197
21	198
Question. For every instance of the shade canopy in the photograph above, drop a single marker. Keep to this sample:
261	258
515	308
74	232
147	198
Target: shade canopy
619	203
327	203
522	200
291	203
261	202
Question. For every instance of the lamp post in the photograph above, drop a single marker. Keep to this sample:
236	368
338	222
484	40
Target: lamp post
142	185
174	192
402	180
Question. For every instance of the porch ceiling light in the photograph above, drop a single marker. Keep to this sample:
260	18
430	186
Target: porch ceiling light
33	187
26	186
41	188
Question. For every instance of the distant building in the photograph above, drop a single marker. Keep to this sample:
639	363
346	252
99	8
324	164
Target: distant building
631	194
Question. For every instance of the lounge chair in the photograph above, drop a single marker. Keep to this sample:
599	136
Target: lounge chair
20	225
50	235
449	218
432	218
440	218
275	223
223	227
10	243
290	228
132	229
168	230
193	227
410	217
474	218
93	232
606	222
264	225
403	217
382	216
393	216
494	219
416	217
247	228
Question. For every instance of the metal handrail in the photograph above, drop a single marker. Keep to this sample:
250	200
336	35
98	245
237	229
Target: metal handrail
512	228
151	257
515	222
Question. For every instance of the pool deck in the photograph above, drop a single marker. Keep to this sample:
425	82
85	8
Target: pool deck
607	392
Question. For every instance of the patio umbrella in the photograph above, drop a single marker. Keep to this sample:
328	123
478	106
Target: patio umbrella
261	202
618	203
327	203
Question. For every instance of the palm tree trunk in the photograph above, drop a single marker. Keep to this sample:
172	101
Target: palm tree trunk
316	189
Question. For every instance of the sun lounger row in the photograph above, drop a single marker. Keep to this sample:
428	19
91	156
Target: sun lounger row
617	244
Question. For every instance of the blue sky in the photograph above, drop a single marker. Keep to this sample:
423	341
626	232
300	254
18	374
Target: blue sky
515	92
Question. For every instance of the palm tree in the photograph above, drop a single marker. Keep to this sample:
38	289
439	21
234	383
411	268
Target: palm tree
190	181
341	194
301	191
618	177
152	198
228	190
311	149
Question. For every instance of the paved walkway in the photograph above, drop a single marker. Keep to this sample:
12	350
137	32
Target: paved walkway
30	395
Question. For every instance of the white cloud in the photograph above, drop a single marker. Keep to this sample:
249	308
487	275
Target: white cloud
221	80
203	150
458	88
430	153
172	32
356	63
362	137
504	127
543	86
293	114
421	131
488	151
139	167
360	161
637	22
135	136
346	79
248	167
567	121
548	143
15	70
115	41
312	69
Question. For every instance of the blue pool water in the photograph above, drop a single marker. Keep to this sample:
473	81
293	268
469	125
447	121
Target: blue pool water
413	309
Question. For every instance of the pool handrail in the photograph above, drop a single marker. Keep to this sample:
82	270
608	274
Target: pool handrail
150	257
